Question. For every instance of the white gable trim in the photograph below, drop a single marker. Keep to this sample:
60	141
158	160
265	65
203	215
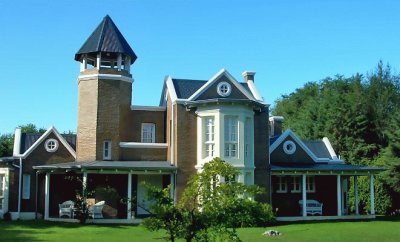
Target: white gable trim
43	137
290	133
214	79
171	89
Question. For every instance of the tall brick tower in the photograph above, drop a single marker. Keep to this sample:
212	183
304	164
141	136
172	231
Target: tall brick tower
104	92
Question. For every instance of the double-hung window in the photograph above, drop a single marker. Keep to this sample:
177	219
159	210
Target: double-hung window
247	139
148	133
310	183
231	136
2	185
296	184
282	185
209	141
107	150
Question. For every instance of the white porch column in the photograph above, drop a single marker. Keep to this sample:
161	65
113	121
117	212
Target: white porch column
356	202
84	63
129	201
84	184
371	186
339	196
127	64
46	196
98	61
119	61
304	188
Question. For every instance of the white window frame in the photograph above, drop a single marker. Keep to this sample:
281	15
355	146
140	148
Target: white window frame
296	184
310	183
2	190
282	185
107	150
26	186
151	129
51	145
224	89
247	139
209	136
289	147
231	135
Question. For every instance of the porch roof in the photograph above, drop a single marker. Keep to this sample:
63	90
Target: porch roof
324	168
98	165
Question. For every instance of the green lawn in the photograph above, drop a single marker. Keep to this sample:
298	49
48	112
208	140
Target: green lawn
378	230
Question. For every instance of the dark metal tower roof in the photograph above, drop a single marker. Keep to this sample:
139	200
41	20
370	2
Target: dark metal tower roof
106	38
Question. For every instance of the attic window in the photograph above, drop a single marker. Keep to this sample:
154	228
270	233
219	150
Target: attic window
289	147
224	89
51	145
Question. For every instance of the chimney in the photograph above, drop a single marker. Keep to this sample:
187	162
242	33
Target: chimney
248	77
17	142
275	123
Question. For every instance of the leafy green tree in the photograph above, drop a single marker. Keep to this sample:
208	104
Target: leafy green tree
212	207
6	145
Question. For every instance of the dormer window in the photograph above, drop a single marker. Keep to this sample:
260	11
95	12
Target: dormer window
148	133
224	89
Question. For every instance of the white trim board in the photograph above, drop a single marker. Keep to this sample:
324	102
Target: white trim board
106	77
142	145
148	108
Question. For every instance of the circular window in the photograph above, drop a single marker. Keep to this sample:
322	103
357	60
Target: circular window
224	89
289	147
51	145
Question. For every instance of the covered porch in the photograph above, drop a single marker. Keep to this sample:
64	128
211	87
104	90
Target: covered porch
114	189
319	191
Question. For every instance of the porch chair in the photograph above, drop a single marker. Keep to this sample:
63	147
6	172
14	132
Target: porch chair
96	211
66	209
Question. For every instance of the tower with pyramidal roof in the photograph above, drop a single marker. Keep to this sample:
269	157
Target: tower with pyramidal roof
104	92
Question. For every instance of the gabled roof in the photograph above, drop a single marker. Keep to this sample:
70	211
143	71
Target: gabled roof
215	78
317	150
29	142
190	90
106	38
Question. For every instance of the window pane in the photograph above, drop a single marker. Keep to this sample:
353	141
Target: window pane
1	185
148	133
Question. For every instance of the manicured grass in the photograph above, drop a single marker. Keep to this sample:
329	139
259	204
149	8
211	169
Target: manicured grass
378	230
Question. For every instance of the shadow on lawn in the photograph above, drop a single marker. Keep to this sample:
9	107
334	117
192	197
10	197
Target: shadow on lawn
31	230
378	218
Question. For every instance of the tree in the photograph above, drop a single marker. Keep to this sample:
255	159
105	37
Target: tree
6	145
212	207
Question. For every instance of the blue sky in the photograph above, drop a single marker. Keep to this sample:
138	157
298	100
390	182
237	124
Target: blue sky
287	43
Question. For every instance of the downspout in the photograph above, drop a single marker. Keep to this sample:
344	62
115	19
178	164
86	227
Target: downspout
19	187
36	195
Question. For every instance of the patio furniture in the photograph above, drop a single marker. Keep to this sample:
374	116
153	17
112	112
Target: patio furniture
66	209
96	211
313	207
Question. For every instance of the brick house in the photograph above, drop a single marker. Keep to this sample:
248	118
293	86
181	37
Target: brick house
119	146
